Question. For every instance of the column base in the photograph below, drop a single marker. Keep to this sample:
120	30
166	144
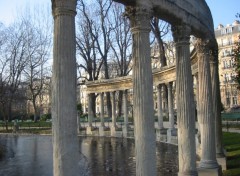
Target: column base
198	145
190	173
172	136
89	130
210	172
222	162
161	134
101	130
208	164
113	131
125	131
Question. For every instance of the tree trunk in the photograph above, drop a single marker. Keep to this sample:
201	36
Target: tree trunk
93	97
109	105
120	99
35	111
165	99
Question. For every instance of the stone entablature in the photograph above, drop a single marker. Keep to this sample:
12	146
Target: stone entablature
162	75
195	14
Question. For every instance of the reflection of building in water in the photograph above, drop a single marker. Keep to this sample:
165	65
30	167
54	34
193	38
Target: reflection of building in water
226	37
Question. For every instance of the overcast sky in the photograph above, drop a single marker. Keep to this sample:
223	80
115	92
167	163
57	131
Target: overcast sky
223	11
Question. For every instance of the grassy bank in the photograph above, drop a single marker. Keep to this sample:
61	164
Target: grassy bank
232	146
28	127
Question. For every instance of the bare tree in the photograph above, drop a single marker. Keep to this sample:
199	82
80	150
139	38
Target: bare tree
121	46
160	29
37	55
86	47
13	60
94	43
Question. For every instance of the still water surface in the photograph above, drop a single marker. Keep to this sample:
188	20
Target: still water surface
32	156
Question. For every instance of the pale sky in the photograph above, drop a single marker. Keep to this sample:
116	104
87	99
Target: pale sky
223	11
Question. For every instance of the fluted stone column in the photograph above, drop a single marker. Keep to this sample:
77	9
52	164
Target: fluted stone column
185	99
113	126
90	115
78	122
102	125
125	110
90	110
64	112
102	109
159	103
216	102
198	136
170	105
145	141
205	116
161	133
171	132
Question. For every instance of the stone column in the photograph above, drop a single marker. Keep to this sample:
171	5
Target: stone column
170	105
78	122
64	112
205	116
216	102
145	141
90	110
90	115
102	125
102	109
185	99
113	126
171	132
161	133
198	136
159	103
125	110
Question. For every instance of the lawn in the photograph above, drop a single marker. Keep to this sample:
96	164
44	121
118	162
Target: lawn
232	145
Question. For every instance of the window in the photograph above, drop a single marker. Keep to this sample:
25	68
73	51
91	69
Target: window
234	100
229	30
225	42
223	31
228	101
225	64
230	41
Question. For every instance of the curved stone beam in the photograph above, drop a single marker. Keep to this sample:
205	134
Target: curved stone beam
195	14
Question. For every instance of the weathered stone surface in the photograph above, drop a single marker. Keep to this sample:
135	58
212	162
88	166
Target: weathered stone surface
143	93
216	101
185	105
159	106
205	112
102	109
195	14
64	113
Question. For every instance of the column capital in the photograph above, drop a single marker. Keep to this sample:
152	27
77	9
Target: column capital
181	34
64	7
159	86
214	55
139	18
202	46
169	84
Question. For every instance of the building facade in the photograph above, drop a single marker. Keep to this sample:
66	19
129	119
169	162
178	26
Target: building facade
226	37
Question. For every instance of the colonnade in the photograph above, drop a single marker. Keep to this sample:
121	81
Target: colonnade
65	145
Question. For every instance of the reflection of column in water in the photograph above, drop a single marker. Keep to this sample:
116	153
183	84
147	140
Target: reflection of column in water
84	163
